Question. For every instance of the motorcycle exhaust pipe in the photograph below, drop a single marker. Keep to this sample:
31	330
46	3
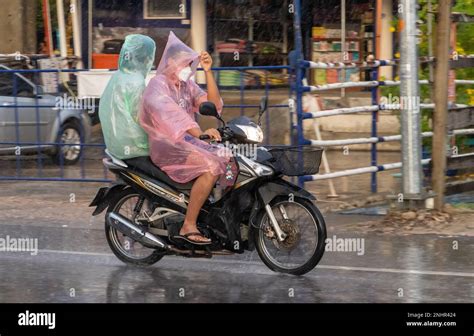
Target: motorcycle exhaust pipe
129	229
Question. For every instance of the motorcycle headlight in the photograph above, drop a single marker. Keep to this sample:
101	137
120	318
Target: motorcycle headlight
262	170
252	133
259	134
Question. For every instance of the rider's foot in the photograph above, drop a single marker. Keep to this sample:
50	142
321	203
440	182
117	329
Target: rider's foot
192	233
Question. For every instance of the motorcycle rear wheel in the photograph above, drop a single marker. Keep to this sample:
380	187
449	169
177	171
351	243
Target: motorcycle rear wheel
128	197
305	244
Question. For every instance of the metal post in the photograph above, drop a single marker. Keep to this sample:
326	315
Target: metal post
344	53
241	92
64	77
39	162
373	132
250	51
89	31
410	109
76	30
62	28
17	126
374	74
267	114
284	47
299	77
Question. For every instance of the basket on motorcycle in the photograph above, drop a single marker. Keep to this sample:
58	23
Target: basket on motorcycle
297	160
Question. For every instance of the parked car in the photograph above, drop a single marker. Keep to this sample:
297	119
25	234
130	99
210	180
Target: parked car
38	128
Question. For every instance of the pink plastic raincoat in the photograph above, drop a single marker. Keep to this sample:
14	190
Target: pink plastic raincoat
167	114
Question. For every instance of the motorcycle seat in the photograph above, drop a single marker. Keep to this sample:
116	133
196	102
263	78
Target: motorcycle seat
145	165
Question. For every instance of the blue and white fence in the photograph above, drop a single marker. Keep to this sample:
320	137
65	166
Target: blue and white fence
374	108
300	89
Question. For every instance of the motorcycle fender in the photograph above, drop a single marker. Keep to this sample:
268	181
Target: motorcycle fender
103	196
270	190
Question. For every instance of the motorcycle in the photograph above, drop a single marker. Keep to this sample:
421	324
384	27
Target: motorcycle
262	210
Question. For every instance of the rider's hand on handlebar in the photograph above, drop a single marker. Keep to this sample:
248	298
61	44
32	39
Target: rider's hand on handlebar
214	134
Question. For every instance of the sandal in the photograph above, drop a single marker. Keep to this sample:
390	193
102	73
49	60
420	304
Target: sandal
186	238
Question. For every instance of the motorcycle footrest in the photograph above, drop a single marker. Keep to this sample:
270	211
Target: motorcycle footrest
190	251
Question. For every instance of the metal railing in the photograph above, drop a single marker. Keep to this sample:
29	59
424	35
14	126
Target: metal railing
28	114
374	109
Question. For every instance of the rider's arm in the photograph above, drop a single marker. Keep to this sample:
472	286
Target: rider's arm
195	132
213	94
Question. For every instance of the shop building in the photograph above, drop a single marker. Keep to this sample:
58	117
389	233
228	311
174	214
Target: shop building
243	32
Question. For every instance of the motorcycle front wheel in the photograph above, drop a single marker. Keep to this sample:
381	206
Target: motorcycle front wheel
305	242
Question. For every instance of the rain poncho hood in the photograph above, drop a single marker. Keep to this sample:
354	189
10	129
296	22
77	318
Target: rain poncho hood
168	112
120	102
176	56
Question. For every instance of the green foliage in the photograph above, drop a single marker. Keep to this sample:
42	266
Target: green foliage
464	46
464	6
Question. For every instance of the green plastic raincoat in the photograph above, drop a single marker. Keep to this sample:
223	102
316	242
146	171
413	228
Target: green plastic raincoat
120	102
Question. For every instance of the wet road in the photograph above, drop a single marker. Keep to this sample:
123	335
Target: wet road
74	264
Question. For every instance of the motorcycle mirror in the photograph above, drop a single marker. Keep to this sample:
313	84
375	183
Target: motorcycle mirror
262	108
263	104
208	109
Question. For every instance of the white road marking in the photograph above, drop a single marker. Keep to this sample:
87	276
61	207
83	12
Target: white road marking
395	270
76	252
233	261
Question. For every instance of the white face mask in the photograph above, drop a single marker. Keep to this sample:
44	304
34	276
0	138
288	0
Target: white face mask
185	74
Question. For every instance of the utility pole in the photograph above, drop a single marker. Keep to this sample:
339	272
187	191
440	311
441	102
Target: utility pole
412	187
440	115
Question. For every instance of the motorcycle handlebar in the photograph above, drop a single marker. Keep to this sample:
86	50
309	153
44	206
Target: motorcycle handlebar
204	137
224	134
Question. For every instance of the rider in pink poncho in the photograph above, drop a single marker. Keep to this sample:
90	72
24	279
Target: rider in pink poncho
170	102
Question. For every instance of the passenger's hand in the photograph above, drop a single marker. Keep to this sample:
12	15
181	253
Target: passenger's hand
213	133
206	60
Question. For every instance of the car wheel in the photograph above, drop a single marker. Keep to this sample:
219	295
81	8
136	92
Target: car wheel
70	136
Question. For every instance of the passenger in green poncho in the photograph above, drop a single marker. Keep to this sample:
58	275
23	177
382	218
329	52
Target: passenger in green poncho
120	102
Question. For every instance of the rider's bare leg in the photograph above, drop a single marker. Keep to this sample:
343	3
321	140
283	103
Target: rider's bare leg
201	189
